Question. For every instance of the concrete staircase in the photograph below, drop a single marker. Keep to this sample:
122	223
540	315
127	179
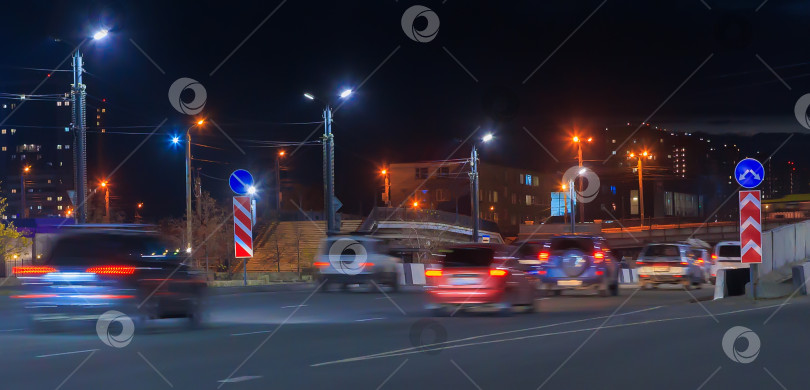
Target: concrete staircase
289	239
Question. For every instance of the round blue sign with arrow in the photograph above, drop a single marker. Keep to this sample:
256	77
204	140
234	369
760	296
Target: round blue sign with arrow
749	173
241	181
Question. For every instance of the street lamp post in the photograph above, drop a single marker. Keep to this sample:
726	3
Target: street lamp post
386	188
476	218
106	201
23	209
641	157
571	196
280	154
328	140
188	184
577	140
79	121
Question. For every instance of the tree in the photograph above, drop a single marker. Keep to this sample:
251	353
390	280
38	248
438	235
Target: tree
12	241
212	233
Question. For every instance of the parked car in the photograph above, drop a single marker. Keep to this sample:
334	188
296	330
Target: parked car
347	260
726	255
670	264
90	271
577	262
477	275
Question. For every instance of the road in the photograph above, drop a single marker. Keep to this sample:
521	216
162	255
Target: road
359	340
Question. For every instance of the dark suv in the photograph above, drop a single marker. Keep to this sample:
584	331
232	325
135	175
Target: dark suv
576	262
90	271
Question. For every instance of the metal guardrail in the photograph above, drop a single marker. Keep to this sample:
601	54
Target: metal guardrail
421	215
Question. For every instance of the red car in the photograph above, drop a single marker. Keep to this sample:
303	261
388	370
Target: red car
477	275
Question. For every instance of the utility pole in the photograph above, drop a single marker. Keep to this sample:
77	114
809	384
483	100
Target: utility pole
78	96
278	181
387	184
198	194
474	193
329	173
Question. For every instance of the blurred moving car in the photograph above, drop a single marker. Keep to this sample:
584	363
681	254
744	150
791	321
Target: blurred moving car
577	262
90	271
671	264
478	275
347	260
726	255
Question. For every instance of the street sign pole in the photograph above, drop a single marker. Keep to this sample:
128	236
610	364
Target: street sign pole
750	173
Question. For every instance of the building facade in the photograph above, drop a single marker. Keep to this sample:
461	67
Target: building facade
36	164
508	196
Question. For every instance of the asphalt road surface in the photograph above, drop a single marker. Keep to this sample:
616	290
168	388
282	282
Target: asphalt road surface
665	338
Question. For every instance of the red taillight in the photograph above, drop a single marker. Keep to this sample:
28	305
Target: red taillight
366	264
433	272
714	257
639	263
320	264
699	260
598	256
600	273
542	256
112	270
684	263
33	270
497	272
542	272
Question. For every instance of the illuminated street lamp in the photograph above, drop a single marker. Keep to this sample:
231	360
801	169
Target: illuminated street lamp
199	122
474	187
329	199
641	157
577	140
280	155
103	184
23	209
386	188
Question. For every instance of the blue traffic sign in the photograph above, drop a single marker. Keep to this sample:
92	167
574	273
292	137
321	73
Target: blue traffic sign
240	181
749	173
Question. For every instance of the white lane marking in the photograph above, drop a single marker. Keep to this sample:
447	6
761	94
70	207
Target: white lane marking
420	348
66	353
239	379
410	351
292	306
10	330
247	333
370	319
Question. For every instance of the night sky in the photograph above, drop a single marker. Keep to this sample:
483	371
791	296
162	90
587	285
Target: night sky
413	100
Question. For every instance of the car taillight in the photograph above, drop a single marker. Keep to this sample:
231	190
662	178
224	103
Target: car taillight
542	256
497	272
699	260
684	263
600	273
33	270
433	272
714	257
112	270
639	263
598	256
320	264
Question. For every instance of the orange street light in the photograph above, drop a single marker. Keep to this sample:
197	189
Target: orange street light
140	205
281	153
200	122
104	183
27	168
415	204
491	208
576	139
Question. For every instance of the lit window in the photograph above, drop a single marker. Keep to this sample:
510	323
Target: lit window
50	199
39	207
4	148
103	110
59	198
60	163
13	131
98	124
67	146
58	147
67	103
3	131
49	181
613	141
59	207
59	104
13	190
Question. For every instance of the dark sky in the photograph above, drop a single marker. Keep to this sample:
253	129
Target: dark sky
624	62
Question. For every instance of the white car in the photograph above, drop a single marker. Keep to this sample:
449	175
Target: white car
347	260
726	255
